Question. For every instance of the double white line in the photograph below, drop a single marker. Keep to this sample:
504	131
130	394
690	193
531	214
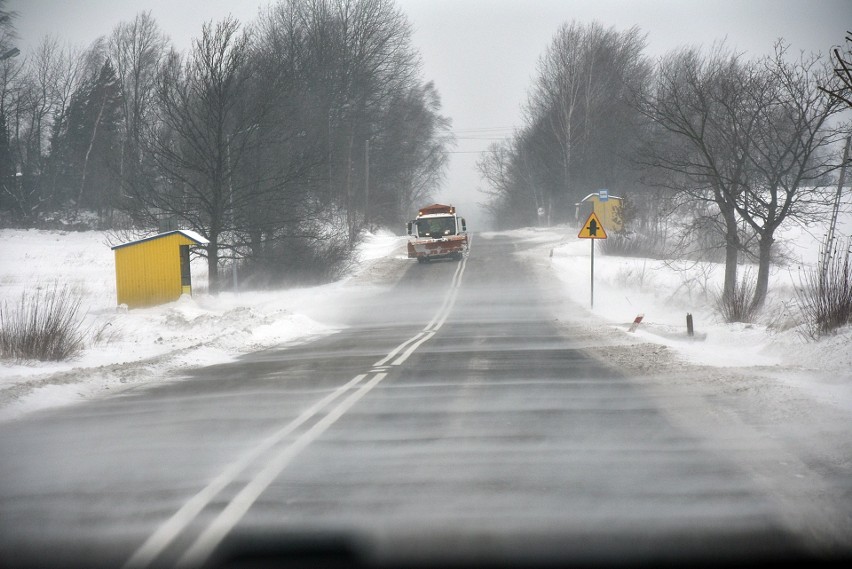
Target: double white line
409	346
205	544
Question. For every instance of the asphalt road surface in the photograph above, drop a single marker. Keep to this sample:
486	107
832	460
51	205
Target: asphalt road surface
453	420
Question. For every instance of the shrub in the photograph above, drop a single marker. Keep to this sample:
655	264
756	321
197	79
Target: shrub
825	297
629	244
738	306
44	325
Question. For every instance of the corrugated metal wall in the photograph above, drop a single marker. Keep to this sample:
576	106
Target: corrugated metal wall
606	212
148	273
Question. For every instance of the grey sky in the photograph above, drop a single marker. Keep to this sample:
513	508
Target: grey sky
482	54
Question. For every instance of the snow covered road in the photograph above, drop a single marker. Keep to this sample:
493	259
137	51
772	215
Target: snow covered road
461	411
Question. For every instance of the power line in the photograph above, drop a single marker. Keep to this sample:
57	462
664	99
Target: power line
482	128
495	130
482	137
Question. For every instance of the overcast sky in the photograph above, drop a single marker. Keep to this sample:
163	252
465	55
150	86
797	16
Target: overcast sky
481	54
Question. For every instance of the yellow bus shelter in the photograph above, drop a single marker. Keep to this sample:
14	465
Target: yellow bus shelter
604	206
155	270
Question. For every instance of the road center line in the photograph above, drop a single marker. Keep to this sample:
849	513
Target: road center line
204	545
434	325
447	305
452	299
207	542
172	527
398	349
410	350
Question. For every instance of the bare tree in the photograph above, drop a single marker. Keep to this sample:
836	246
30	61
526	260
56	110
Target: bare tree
701	107
581	92
198	101
495	168
410	146
356	78
136	49
789	149
10	71
516	172
843	71
377	66
29	118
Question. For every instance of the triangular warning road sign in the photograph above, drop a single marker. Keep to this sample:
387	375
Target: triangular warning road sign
592	228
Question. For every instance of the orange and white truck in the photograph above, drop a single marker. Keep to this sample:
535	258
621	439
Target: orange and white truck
437	233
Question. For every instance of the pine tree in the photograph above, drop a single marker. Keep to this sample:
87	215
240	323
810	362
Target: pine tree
86	147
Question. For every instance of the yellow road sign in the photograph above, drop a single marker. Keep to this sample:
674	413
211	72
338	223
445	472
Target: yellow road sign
592	228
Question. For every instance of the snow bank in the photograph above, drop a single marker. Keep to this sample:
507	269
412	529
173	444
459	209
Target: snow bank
378	245
665	292
149	344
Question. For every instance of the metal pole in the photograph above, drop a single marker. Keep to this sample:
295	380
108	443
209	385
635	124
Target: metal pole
593	272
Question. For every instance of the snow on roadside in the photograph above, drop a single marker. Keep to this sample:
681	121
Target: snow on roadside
379	245
664	292
150	344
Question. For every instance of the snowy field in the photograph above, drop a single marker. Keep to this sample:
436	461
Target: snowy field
774	350
145	346
663	292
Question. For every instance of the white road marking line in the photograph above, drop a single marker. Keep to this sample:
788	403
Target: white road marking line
453	295
207	542
410	350
204	545
433	326
447	308
397	349
446	305
172	527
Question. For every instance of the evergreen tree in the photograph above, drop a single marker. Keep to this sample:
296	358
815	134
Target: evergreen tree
85	147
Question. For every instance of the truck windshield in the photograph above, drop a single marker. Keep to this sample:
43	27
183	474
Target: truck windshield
436	227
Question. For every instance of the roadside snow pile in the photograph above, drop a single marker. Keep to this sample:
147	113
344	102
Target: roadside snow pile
664	292
379	245
148	344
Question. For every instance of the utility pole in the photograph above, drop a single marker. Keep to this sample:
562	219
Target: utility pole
829	242
228	138
231	201
328	157
367	183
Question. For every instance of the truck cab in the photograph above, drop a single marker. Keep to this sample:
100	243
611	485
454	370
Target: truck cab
438	232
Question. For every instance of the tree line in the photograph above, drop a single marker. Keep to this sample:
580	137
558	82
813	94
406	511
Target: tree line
279	140
714	151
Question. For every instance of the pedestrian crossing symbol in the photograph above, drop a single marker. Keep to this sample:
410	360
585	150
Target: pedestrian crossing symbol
592	228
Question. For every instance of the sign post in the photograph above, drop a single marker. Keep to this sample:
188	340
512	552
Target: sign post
592	229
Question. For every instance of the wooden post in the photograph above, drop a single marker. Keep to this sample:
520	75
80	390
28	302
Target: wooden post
689	329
